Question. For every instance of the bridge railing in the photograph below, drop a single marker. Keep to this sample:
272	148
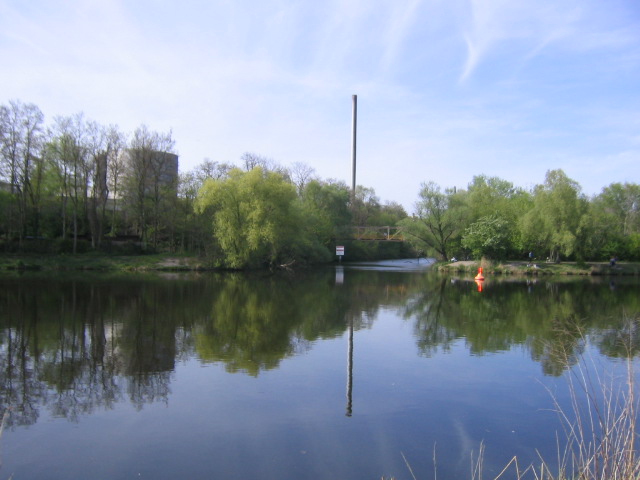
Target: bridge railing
378	234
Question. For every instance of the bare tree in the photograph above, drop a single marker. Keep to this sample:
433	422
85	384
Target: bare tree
115	170
164	182
151	179
21	138
211	169
105	145
253	160
301	174
70	146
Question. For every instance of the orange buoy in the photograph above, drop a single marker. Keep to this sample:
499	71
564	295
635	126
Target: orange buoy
479	276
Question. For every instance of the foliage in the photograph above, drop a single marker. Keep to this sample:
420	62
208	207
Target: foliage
439	220
615	222
75	180
489	237
257	217
557	219
326	206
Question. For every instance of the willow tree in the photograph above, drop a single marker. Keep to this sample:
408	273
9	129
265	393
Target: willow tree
556	222
257	218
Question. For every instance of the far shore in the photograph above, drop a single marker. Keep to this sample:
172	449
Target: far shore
100	262
516	267
176	263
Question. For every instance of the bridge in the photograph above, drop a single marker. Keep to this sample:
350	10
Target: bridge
378	234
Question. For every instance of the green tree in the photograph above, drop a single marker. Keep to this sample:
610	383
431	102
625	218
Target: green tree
257	218
492	201
389	214
615	221
365	206
489	236
557	221
439	220
326	205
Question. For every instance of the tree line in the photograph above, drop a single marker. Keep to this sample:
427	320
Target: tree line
554	220
75	185
76	182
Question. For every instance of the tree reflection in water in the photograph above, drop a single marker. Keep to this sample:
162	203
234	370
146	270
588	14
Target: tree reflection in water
73	345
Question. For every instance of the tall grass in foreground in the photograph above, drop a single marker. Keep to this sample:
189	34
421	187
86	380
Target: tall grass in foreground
600	436
599	439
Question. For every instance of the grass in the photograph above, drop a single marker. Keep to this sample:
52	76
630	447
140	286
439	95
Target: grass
600	427
524	268
101	262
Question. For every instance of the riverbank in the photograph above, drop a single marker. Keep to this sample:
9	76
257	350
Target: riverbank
177	262
99	262
543	268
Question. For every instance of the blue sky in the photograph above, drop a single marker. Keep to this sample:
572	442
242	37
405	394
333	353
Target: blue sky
447	89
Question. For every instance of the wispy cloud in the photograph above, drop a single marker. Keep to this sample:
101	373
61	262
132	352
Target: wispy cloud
524	27
447	88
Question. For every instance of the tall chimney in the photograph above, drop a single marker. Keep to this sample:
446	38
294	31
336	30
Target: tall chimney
353	145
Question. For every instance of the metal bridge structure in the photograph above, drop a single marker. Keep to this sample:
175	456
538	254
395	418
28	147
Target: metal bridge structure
378	234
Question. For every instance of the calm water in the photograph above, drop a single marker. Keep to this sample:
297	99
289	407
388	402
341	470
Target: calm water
327	374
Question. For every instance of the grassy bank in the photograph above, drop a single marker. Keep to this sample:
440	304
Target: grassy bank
100	262
525	268
178	262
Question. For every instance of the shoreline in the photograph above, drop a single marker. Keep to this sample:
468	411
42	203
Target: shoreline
515	267
192	263
105	263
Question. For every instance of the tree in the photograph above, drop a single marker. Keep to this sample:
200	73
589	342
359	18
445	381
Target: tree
210	169
115	170
326	206
492	201
438	222
365	206
389	214
615	221
622	202
556	223
489	236
151	181
21	164
69	148
256	217
105	145
252	160
301	174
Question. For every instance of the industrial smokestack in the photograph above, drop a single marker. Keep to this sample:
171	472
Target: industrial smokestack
353	145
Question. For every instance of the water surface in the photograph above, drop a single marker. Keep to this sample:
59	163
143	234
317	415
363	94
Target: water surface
328	373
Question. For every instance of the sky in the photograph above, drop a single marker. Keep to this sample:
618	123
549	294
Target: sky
447	89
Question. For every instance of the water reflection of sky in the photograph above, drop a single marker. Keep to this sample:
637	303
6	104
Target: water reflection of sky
403	265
